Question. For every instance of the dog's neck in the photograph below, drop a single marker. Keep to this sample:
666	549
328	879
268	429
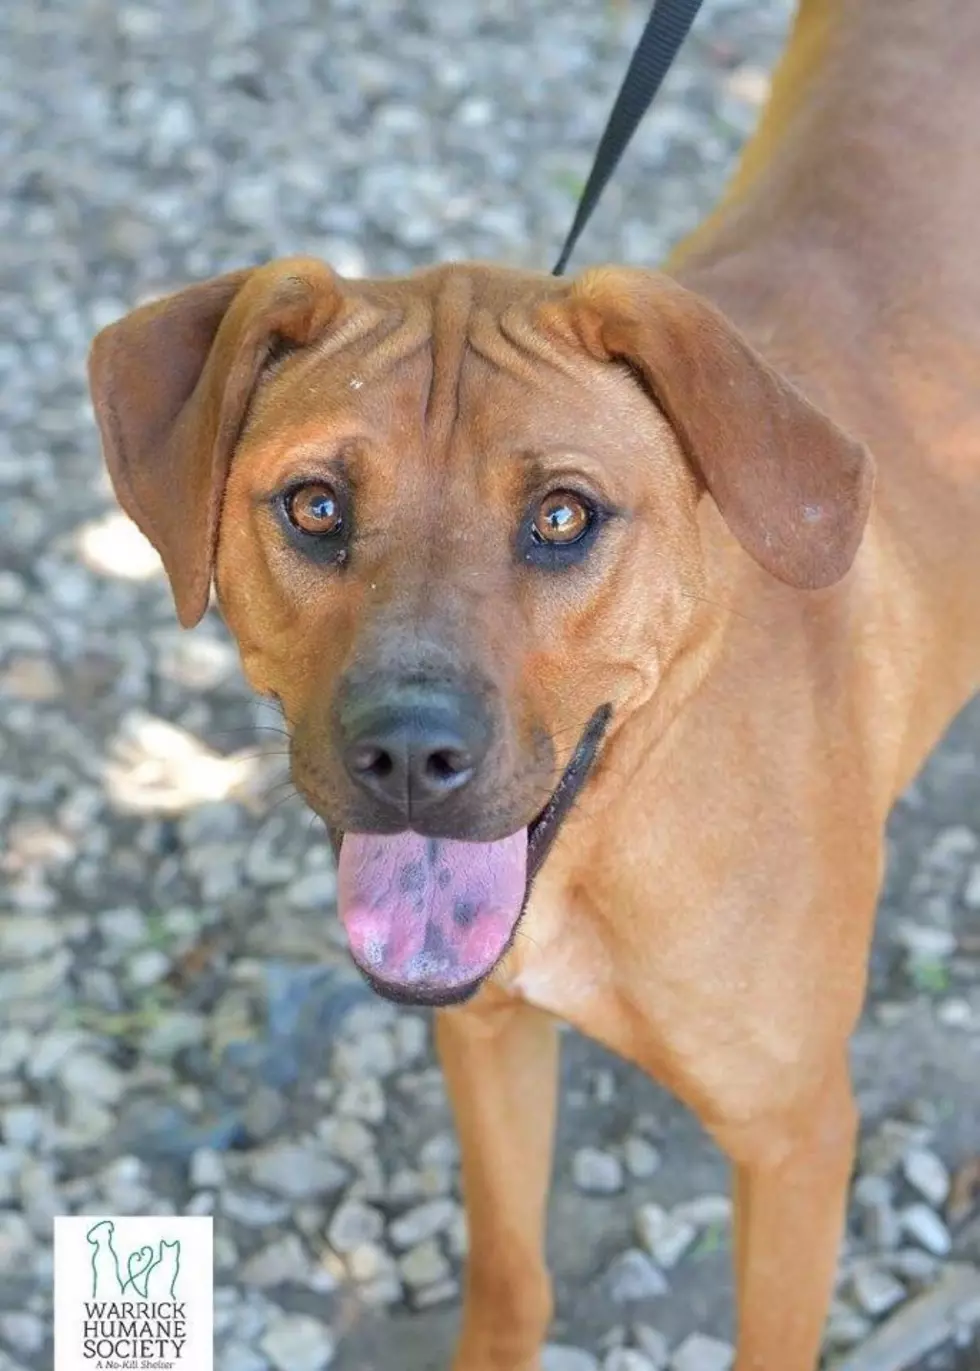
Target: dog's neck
866	154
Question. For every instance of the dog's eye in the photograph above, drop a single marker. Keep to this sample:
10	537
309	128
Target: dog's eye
314	509
562	518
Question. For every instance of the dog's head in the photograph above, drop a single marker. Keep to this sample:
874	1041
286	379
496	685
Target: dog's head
451	521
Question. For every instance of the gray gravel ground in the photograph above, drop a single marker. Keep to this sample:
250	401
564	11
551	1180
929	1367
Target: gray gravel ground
179	1029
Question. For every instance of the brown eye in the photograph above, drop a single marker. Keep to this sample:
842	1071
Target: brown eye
562	517
314	509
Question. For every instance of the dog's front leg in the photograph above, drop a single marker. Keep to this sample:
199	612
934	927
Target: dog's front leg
500	1059
791	1183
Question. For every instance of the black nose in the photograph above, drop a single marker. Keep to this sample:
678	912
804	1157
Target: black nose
413	746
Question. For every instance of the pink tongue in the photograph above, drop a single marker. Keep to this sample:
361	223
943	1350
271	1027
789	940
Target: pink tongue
430	914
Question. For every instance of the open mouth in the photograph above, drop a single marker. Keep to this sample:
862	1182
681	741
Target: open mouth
427	919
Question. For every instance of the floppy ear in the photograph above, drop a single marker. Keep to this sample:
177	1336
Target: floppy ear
794	489
171	384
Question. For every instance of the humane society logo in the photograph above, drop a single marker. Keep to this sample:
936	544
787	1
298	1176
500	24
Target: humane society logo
133	1294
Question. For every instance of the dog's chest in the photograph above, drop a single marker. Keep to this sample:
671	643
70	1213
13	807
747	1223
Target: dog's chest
557	962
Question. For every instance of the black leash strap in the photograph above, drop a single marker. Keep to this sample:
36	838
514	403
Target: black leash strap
666	29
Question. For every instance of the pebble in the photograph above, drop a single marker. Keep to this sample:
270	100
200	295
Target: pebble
926	1228
633	1276
363	1100
641	1158
23	1331
879	1222
927	1174
706	1211
347	1139
353	1224
424	1265
283	1261
701	1353
207	1169
22	1125
236	1356
84	1074
595	1172
875	1290
653	1344
315	891
297	1171
628	1359
296	1342
423	1222
665	1236
559	1357
252	1209
915	1266
440	1293
845	1326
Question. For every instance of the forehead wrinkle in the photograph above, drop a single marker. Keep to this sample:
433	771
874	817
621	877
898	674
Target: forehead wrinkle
451	311
509	341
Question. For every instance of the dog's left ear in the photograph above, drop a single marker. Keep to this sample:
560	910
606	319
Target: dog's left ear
794	489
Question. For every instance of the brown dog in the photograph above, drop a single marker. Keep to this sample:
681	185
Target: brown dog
500	543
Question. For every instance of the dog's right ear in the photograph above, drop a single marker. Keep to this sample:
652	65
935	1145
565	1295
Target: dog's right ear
171	384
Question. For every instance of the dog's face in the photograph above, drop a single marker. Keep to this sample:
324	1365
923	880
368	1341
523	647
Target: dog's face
452	526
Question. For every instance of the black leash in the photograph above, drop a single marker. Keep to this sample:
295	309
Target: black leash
666	29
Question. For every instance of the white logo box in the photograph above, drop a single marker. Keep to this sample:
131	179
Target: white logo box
133	1293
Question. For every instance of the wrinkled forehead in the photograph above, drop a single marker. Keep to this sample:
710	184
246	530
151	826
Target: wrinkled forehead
418	362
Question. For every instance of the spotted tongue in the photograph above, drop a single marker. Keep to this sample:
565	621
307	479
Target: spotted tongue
429	916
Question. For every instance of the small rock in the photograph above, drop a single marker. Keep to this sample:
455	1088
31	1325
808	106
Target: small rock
354	1224
364	1100
557	1357
440	1293
252	1209
92	1077
22	1125
706	1211
633	1276
653	1344
955	1013
885	1150
371	1054
875	1290
845	1326
299	1171
627	1359
411	1038
424	1265
641	1157
263	1113
295	1342
926	1228
700	1353
925	941
926	1173
148	967
315	891
664	1236
879	1222
207	1169
441	1151
423	1222
369	1262
347	1139
916	1267
282	1262
22	1331
596	1172
235	1356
